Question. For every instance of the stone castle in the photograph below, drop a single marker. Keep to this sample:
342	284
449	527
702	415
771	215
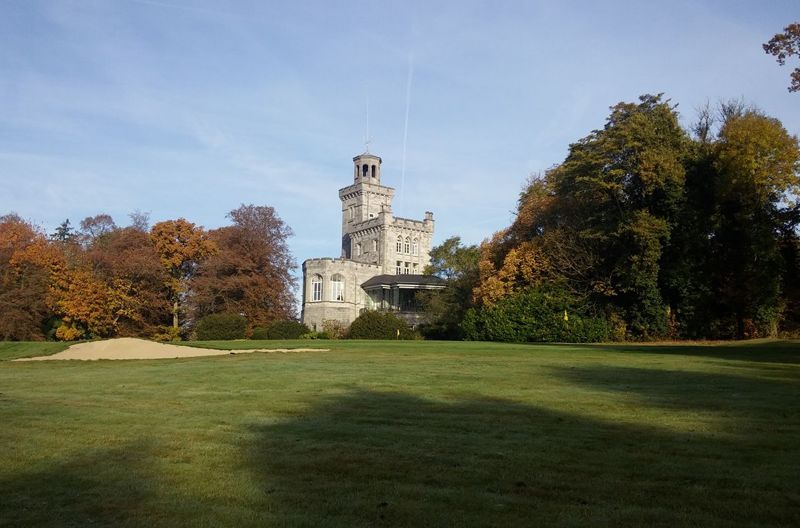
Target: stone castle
382	259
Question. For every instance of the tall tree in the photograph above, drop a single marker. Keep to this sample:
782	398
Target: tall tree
140	221
756	164
64	233
181	247
457	264
95	227
785	45
25	266
251	274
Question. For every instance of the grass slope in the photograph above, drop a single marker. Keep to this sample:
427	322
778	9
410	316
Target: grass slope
14	349
407	434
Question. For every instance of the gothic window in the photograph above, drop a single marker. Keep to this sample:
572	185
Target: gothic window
399	268
407	246
337	288
399	244
316	288
415	247
358	250
406	268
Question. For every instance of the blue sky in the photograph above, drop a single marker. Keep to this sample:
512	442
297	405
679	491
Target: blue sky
187	108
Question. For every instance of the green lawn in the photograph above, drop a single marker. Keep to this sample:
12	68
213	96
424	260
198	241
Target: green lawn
406	434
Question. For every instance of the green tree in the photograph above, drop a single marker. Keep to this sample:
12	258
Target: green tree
64	233
444	309
619	191
756	164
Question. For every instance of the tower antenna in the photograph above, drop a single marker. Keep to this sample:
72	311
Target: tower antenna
405	127
367	138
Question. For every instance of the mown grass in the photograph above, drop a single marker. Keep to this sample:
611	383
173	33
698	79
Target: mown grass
407	434
13	349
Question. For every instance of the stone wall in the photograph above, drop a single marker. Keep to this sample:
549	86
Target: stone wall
355	299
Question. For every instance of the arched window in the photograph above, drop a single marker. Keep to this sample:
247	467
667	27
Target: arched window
373	171
374	244
415	247
365	170
358	250
337	288
399	244
316	288
407	246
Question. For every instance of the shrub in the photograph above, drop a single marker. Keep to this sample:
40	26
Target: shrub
379	325
286	330
259	332
71	332
221	326
334	329
167	333
534	315
315	335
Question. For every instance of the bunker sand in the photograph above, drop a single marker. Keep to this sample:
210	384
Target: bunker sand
131	348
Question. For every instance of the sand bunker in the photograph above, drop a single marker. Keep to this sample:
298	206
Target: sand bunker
130	348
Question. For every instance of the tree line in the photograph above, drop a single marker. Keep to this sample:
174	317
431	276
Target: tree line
644	231
102	280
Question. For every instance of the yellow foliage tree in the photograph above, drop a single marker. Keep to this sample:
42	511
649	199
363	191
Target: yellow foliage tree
180	246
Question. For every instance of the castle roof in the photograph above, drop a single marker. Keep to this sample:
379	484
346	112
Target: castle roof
429	282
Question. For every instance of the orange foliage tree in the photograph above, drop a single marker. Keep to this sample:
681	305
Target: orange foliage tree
181	246
251	272
127	261
26	263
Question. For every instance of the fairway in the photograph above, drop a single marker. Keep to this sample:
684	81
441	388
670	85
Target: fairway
405	434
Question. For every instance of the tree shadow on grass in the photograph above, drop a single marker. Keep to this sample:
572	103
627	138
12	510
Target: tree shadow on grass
748	399
378	459
96	488
762	351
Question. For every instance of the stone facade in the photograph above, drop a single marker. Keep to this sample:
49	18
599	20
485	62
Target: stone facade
374	242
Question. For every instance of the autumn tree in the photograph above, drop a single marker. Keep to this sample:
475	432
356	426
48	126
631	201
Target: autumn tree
84	303
140	221
181	246
26	262
785	45
251	274
95	227
128	262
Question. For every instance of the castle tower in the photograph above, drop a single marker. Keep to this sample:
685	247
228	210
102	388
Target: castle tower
366	199
382	261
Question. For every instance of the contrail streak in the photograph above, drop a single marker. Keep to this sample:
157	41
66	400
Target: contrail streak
405	128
